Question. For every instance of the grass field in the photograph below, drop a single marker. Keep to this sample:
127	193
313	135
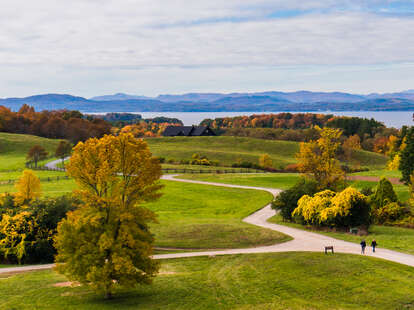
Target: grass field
228	150
254	281
280	180
389	237
196	216
270	180
14	147
207	217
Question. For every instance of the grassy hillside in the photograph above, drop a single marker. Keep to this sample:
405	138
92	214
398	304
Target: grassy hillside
228	150
194	216
253	281
14	148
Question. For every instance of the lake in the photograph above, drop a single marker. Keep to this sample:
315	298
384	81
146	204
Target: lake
390	119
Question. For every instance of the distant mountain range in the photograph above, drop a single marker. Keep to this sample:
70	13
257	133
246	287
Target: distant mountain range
271	101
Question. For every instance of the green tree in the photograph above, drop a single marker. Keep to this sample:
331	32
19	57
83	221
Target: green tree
407	156
106	242
63	150
287	201
36	153
384	194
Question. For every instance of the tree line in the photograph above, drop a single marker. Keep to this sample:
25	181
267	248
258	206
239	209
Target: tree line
301	127
63	124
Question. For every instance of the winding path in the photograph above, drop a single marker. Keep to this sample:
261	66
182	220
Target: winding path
302	240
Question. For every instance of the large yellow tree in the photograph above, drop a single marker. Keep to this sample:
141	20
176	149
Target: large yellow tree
106	242
28	188
318	159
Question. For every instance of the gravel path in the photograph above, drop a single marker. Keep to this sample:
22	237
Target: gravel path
53	164
302	240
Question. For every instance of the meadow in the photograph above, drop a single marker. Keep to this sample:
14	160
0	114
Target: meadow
187	219
14	148
229	150
253	281
287	180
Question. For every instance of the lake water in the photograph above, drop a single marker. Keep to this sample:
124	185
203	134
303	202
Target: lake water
390	119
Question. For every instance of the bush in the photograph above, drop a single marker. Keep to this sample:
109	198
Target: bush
161	160
389	213
247	164
292	168
367	191
345	209
196	159
384	194
287	201
27	231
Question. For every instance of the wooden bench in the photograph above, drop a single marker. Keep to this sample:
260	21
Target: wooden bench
329	248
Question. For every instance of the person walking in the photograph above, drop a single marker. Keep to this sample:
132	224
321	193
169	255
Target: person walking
374	245
363	246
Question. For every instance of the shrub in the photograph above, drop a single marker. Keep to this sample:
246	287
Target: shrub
367	191
384	194
196	159
287	201
265	161
327	208
27	231
389	213
292	168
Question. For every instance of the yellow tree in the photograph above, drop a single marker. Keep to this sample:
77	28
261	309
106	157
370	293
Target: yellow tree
28	188
265	161
106	242
317	159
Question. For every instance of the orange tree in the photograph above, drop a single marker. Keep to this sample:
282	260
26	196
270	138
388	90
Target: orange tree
317	159
106	242
36	153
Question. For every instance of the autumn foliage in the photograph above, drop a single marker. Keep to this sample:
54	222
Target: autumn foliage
69	125
36	153
318	159
106	242
327	208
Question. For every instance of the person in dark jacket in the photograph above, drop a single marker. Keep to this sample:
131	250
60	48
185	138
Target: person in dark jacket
374	245
363	246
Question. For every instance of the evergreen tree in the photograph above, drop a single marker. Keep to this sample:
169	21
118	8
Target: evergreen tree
407	156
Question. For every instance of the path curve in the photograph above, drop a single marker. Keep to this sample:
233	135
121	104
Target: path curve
303	241
53	164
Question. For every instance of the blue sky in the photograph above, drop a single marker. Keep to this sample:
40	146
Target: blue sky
149	47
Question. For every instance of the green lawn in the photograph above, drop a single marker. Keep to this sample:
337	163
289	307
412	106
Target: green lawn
270	180
228	150
380	173
207	217
252	281
14	148
279	180
14	175
196	216
389	237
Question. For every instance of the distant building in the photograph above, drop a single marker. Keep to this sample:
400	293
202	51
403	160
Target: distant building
188	131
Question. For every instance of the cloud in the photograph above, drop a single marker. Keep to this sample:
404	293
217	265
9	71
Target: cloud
191	37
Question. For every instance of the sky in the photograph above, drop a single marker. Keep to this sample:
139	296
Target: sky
151	47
